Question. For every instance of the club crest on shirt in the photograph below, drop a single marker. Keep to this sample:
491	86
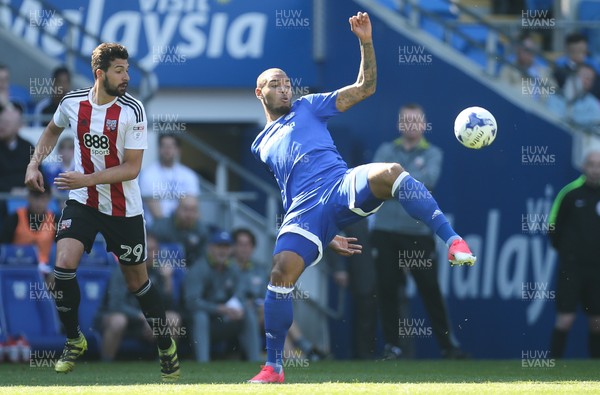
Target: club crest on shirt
111	124
64	224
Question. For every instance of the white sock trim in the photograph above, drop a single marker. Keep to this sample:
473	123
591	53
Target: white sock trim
401	177
279	290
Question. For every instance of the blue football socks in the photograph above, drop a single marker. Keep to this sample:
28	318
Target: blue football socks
278	319
420	204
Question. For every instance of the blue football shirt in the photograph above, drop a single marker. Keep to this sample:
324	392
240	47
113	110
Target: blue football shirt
299	151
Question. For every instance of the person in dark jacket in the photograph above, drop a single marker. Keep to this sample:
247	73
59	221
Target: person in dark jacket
574	231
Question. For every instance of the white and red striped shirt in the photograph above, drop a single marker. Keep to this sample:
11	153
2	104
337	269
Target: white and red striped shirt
102	134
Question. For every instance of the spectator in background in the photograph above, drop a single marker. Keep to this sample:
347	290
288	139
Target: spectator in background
10	93
34	224
576	104
120	313
184	227
576	55
61	162
15	153
530	75
214	294
167	181
405	245
574	231
254	275
61	85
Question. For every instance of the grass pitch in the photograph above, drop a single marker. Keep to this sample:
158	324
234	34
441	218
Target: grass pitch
328	377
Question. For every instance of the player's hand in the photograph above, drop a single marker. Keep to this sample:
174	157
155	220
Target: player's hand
34	178
360	24
345	246
70	180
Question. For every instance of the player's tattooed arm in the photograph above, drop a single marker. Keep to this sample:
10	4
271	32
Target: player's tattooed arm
367	74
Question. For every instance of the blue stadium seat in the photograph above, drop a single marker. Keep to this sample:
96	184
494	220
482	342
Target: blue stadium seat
93	282
477	33
98	256
18	255
589	11
28	307
16	203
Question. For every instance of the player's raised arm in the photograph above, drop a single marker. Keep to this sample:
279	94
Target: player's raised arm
360	24
33	177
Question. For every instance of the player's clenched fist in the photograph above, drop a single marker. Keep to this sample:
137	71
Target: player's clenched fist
360	24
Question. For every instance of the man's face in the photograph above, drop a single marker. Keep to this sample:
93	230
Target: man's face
587	77
62	85
116	79
591	168
187	212
243	248
276	94
38	204
168	150
577	52
219	253
525	54
412	123
10	123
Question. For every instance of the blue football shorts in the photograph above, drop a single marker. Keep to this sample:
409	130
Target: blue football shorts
307	229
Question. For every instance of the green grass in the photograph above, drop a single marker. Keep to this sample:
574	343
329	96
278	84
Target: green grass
401	377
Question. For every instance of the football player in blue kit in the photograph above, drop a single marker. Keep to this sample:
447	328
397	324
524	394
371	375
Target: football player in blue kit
320	194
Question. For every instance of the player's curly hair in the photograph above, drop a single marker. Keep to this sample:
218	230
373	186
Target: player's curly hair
106	53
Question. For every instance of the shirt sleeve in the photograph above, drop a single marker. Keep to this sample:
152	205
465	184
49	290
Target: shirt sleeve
136	132
323	104
60	118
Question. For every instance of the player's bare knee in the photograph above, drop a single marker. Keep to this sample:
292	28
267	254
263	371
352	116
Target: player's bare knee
394	170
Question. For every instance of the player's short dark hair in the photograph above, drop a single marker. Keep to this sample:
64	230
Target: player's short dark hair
106	53
162	136
61	70
575	38
3	66
244	231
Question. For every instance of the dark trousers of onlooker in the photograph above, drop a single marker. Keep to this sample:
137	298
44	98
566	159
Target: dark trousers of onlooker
361	272
396	255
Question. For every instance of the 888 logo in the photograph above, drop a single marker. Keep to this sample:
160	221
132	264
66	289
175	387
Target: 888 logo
98	144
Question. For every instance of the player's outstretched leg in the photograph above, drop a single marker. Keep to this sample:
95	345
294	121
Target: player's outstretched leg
151	304
388	180
287	267
67	300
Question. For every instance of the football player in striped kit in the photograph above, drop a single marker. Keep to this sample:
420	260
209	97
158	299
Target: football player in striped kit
110	134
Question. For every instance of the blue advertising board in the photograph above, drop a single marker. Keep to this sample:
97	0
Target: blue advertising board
186	43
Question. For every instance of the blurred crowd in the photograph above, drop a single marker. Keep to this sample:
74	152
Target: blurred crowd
210	279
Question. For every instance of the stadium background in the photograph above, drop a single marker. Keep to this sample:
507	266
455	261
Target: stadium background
205	88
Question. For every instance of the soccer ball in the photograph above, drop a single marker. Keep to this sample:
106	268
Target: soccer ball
475	127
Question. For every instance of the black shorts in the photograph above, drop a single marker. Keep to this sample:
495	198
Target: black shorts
578	284
125	236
